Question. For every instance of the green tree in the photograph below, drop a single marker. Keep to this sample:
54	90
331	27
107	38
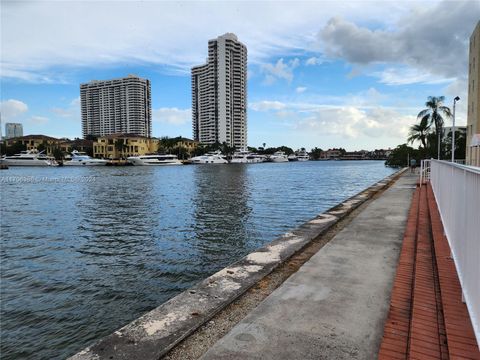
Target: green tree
316	153
15	148
400	156
227	149
434	114
120	146
460	145
286	150
42	146
182	152
419	132
57	153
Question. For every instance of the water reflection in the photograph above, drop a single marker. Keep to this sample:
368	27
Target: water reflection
221	213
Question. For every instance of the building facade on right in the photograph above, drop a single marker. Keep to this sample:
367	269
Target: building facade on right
13	130
473	114
219	94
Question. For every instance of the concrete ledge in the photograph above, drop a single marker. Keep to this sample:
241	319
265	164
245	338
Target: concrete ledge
152	335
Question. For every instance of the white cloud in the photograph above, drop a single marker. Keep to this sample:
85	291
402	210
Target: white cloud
173	35
71	111
267	105
353	123
300	89
173	116
40	36
357	117
65	113
12	108
314	61
404	76
280	70
431	39
458	88
75	102
38	120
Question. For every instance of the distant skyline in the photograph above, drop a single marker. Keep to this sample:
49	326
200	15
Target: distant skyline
323	74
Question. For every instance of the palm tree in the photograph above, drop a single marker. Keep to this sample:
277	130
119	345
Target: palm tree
433	115
419	132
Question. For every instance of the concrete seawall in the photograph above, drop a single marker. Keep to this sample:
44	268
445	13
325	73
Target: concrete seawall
155	333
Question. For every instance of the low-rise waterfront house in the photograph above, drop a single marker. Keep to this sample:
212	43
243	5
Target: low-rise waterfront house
35	142
121	146
355	155
67	145
332	154
188	144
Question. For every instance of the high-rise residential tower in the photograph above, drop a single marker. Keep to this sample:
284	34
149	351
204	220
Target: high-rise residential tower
219	94
473	115
13	130
118	106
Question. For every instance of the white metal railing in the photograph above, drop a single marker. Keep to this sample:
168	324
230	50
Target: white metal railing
457	193
424	171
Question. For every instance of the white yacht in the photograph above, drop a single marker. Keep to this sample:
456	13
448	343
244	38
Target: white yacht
209	158
82	159
302	155
246	157
29	158
279	156
150	160
292	157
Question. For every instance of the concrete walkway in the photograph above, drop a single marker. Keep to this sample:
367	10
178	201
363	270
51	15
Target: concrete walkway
335	306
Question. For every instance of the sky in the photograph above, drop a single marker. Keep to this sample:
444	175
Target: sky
351	74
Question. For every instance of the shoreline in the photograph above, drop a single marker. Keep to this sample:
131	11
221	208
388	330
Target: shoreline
155	333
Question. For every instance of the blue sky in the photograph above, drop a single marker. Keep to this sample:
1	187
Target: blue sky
350	74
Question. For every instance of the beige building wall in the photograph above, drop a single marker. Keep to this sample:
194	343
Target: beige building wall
34	142
473	114
123	146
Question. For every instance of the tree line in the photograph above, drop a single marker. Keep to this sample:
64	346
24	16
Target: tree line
429	133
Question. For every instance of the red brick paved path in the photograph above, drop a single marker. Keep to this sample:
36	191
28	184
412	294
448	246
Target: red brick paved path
427	318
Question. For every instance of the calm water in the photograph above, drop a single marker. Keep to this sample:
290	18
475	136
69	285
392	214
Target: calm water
86	250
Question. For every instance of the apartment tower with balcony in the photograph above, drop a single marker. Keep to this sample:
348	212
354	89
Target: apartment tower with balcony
117	106
219	94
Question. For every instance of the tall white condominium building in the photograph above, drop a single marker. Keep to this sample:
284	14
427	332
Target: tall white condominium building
118	106
13	130
219	94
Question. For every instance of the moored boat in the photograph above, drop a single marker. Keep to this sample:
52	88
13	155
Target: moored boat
29	158
279	156
154	160
292	157
209	158
246	157
302	155
82	159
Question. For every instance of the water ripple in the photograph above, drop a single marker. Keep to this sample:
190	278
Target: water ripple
80	260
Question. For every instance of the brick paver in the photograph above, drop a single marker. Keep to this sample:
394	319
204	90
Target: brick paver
427	318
